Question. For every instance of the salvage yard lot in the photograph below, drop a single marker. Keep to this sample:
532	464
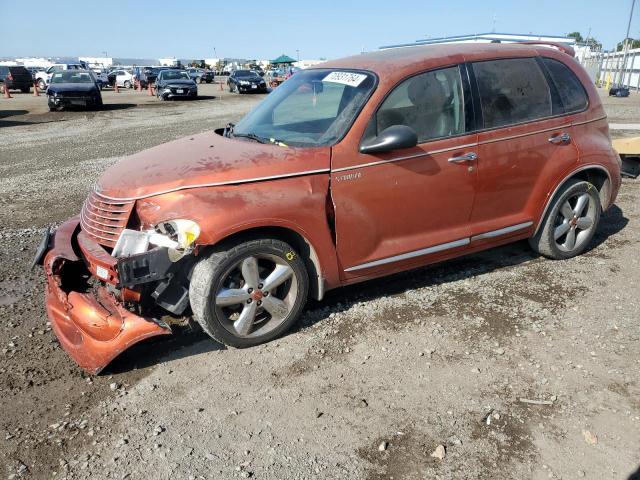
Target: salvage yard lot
373	380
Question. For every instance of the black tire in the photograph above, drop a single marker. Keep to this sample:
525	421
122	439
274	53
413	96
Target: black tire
126	84
545	243
25	90
199	79
230	87
42	85
212	271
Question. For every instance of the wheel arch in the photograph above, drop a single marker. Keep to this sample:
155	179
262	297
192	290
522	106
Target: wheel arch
290	236
597	175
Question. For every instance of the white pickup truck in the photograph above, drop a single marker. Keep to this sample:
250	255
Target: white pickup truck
43	77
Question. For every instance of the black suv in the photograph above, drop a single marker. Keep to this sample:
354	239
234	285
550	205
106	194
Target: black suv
246	81
15	78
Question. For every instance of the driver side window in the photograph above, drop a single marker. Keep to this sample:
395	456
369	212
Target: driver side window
431	103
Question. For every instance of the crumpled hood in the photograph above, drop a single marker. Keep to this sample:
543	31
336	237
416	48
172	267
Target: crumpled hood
206	159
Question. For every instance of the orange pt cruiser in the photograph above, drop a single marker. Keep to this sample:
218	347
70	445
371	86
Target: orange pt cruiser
352	170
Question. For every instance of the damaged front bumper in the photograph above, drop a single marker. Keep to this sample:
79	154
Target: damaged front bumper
92	325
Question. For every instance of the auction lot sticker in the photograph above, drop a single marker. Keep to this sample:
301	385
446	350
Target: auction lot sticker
346	78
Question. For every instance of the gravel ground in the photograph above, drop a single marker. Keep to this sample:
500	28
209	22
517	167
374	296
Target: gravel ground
421	375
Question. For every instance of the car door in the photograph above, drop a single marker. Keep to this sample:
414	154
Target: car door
525	142
406	207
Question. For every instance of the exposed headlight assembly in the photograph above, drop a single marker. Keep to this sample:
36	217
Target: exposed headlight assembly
178	236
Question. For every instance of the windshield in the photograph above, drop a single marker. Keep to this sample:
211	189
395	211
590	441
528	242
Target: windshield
245	73
71	76
169	75
312	108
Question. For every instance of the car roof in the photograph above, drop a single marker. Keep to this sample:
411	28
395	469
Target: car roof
405	60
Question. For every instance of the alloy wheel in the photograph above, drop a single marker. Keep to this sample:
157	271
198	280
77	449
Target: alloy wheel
574	222
256	295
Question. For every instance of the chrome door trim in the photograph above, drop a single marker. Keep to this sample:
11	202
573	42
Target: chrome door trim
408	255
562	182
407	157
439	248
493	140
526	134
501	231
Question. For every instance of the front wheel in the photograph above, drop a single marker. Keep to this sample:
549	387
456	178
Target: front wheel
42	85
570	223
250	293
127	84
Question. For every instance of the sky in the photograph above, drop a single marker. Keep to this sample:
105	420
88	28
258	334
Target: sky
311	29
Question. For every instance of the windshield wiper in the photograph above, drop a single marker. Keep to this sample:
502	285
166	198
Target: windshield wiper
252	136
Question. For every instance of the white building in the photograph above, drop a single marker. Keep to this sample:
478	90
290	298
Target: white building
97	62
38	62
307	63
168	62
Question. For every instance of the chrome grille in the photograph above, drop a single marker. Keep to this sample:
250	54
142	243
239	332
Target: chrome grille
104	219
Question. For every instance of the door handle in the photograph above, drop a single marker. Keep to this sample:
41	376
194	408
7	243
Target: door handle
559	139
467	157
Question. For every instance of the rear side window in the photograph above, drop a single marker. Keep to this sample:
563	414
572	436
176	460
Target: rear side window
512	91
431	103
574	98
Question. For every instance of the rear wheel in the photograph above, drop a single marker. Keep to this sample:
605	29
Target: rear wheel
127	84
249	294
25	90
570	223
42	85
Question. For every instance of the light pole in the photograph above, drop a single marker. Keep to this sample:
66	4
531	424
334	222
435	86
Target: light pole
298	53
626	45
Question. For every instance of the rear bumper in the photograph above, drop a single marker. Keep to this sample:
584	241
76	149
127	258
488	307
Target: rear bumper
88	101
92	326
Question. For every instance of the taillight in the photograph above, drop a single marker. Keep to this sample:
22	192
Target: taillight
10	77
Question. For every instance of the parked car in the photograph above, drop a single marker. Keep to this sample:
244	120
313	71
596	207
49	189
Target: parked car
175	84
33	71
349	171
200	75
122	77
241	81
101	78
44	76
73	88
15	78
619	91
146	75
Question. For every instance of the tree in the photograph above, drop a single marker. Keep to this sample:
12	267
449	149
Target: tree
591	42
633	43
577	36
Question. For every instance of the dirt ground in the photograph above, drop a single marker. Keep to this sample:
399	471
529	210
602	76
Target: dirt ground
371	382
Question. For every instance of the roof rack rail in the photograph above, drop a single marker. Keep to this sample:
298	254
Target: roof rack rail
560	46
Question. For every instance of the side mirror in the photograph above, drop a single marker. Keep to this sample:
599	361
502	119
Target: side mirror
391	138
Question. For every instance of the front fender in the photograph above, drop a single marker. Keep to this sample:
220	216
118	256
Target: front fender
297	204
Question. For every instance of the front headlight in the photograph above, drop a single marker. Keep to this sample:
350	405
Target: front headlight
179	234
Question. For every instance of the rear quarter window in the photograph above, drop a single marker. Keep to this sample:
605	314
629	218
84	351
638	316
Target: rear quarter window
512	91
572	93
